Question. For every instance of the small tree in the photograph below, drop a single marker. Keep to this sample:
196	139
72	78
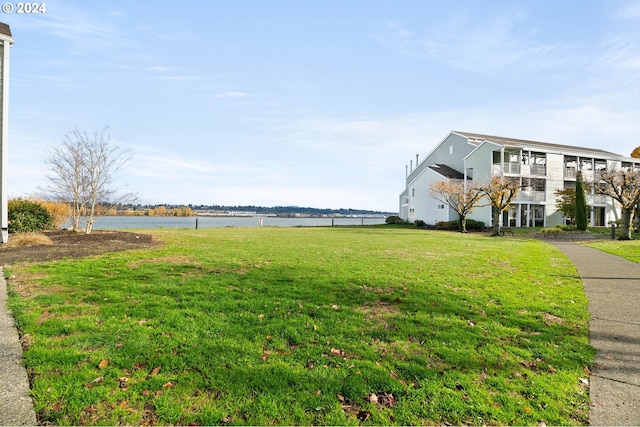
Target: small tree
566	203
501	192
624	187
83	172
581	204
460	196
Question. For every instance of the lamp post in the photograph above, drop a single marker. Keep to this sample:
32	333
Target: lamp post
6	40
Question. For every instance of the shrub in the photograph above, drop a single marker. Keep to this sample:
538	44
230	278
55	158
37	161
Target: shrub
419	223
551	230
395	219
26	216
472	225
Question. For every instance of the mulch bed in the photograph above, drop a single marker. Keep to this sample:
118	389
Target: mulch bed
69	244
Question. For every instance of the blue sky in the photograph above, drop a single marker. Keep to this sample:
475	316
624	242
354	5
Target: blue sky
313	103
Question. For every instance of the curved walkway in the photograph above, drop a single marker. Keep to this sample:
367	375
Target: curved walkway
612	285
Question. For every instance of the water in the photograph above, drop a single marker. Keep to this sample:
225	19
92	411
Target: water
122	222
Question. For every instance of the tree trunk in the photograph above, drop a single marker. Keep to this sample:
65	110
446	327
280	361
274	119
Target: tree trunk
496	222
625	233
463	223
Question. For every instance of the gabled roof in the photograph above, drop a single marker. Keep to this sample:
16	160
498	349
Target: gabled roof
5	30
446	171
478	138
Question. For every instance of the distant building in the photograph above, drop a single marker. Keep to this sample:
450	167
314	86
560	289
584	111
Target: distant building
541	167
6	40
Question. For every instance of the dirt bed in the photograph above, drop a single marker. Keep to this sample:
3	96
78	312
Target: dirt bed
69	244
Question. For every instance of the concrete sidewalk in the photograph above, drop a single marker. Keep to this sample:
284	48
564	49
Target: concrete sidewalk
612	285
16	406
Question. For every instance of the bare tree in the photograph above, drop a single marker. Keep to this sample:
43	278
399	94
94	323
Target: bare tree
624	187
460	196
83	173
501	192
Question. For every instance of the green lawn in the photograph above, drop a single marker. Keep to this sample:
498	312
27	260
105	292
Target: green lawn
328	326
628	249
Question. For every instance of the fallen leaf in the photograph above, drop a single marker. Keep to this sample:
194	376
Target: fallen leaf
156	371
527	409
260	316
340	397
168	385
103	364
471	323
584	381
118	345
373	398
123	404
98	380
337	352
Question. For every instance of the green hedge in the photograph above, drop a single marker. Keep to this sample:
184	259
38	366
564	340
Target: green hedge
26	216
472	225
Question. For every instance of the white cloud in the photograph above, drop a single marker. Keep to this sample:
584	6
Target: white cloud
232	94
496	44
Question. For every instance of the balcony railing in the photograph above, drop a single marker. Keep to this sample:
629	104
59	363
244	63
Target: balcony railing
598	199
570	173
538	170
531	196
511	168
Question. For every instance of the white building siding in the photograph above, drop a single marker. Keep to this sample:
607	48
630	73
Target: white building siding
421	205
555	181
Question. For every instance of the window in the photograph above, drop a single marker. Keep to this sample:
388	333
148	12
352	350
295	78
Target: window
440	206
413	192
450	149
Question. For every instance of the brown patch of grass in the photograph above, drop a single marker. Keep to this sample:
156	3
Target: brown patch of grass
378	312
27	239
550	319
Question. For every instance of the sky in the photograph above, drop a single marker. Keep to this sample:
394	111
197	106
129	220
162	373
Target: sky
308	102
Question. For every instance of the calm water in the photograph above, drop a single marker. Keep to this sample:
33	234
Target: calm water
120	222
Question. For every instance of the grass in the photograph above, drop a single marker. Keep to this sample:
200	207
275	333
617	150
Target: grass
628	249
308	326
27	239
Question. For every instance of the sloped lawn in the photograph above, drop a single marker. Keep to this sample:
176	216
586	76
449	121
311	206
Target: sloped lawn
628	249
301	326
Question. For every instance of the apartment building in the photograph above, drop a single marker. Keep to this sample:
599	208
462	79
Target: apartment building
541	167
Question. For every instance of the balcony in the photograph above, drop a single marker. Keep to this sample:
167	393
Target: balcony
598	199
531	196
539	170
511	168
570	173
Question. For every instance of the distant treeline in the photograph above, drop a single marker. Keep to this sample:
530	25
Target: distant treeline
190	210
